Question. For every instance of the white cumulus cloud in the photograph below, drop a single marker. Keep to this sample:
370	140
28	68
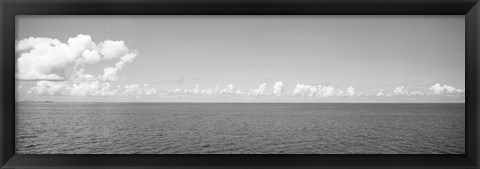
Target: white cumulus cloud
48	88
47	58
350	91
416	93
113	49
139	90
380	93
304	90
278	89
261	90
400	91
437	89
230	89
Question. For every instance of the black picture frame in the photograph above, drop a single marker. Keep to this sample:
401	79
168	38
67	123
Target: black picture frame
10	8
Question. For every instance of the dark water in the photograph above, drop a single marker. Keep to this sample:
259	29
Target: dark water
272	128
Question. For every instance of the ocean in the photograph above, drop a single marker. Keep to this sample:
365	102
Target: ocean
240	128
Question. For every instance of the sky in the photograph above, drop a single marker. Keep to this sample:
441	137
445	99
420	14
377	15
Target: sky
241	58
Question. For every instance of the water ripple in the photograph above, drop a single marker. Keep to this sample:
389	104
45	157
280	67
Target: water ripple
192	128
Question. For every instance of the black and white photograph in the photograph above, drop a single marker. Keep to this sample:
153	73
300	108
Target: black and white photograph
240	84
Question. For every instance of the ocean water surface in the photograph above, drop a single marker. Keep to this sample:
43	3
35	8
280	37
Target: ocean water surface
240	128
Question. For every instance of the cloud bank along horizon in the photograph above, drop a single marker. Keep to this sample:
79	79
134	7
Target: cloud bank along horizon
59	69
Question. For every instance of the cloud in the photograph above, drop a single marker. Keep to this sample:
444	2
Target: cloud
400	91
438	89
325	91
48	88
300	90
310	91
47	58
110	73
113	49
150	91
132	90
416	93
43	58
92	88
195	90
303	90
278	89
207	91
230	89
82	85
139	91
90	57
350	91
260	90
380	93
